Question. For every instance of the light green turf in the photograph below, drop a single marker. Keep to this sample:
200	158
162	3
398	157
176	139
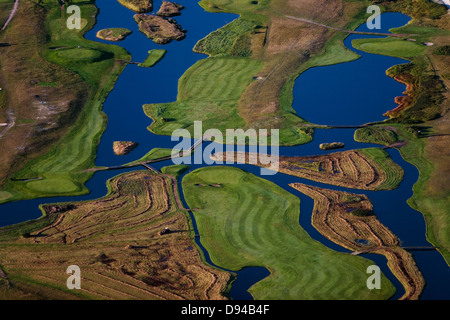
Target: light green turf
5	195
175	170
433	205
154	56
208	92
390	47
154	154
249	221
374	134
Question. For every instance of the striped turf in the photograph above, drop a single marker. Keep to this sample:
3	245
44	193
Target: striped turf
249	221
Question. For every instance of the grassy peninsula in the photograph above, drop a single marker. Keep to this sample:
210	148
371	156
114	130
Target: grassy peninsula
154	56
256	59
421	117
67	71
249	221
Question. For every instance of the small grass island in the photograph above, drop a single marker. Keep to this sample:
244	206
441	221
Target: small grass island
113	34
154	56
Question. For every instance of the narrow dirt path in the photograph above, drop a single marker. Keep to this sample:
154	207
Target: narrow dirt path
11	15
398	35
9	124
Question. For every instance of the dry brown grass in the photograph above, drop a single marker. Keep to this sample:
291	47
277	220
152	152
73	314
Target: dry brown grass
332	217
289	44
322	11
351	169
117	244
38	110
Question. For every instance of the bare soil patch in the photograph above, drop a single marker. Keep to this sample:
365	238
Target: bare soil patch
169	9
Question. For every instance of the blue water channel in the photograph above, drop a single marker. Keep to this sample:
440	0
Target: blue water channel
356	92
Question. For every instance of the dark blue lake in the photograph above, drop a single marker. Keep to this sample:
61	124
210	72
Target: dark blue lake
351	93
356	92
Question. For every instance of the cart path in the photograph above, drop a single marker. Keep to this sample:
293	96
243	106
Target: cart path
11	15
399	35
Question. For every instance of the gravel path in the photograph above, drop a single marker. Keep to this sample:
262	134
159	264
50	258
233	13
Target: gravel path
11	15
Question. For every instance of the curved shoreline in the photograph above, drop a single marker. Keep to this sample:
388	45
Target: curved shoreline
333	219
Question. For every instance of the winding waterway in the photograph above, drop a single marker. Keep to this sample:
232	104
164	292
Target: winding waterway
352	96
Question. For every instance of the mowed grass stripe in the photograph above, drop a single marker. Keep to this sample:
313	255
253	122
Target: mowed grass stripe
246	219
196	78
194	81
216	79
300	266
232	233
202	91
208	91
196	87
232	80
65	159
259	235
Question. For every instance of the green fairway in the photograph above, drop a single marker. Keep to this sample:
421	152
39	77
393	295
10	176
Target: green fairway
61	168
154	56
229	79
154	154
207	92
81	54
249	221
431	201
390	47
376	135
175	170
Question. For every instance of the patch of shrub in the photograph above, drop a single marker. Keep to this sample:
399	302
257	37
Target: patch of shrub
233	39
444	50
362	212
426	95
376	135
420	8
